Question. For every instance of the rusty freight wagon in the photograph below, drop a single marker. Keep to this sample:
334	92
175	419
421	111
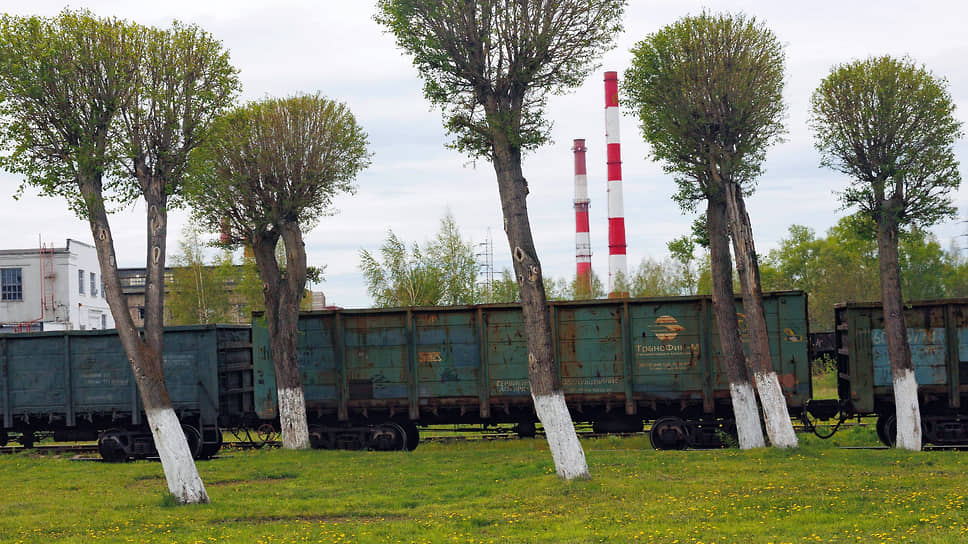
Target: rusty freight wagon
938	334
78	385
371	377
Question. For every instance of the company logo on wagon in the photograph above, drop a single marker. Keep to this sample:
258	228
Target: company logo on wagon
666	328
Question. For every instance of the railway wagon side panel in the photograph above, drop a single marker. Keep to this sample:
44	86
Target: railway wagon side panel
937	333
377	358
34	376
668	338
235	385
67	379
926	334
786	315
590	350
317	346
507	356
448	356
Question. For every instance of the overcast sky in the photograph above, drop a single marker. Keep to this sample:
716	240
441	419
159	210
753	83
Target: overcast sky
336	48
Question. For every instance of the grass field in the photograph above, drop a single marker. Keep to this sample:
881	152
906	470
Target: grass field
502	491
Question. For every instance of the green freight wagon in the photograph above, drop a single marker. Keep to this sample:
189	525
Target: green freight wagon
938	334
78	385
372	376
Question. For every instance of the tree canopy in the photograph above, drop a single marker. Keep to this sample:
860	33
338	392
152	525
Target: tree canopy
889	125
708	93
490	65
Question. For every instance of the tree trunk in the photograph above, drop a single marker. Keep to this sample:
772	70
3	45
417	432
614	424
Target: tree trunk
181	473
779	428
549	399
282	293
908	413
741	391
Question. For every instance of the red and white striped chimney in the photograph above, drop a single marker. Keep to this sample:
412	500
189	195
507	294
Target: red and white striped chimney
617	263
583	244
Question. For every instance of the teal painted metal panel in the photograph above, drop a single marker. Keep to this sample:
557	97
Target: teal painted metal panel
65	375
666	340
507	353
590	349
448	356
927	350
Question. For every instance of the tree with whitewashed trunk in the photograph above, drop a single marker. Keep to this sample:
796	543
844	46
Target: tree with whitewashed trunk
490	66
87	101
708	92
269	173
890	126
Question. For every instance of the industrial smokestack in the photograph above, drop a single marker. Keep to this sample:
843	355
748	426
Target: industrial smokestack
617	264
583	244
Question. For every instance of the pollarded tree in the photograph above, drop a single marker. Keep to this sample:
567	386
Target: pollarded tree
890	126
490	66
708	92
269	173
65	84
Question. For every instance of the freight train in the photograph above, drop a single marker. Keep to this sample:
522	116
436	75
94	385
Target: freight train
373	378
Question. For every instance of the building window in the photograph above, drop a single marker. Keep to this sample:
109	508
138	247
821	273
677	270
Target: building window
104	321
11	284
80	282
93	284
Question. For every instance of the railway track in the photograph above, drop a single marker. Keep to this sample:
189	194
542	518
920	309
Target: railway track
84	449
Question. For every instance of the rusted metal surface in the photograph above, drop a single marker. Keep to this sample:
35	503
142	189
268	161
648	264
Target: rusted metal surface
938	334
82	379
615	356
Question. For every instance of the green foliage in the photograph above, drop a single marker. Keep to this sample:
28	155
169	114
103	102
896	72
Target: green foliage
199	293
275	161
491	65
708	93
842	266
185	82
890	126
486	491
504	289
654	278
443	272
63	82
401	277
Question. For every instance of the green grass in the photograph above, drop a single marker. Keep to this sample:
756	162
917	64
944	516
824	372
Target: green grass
502	491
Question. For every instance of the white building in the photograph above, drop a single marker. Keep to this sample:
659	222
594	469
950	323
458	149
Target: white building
50	288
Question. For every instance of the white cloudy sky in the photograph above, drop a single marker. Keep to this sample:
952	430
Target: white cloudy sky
293	46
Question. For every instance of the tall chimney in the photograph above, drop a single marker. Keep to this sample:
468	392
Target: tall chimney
617	264
583	245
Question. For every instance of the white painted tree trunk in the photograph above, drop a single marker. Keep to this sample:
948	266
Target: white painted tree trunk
747	416
566	450
908	411
176	459
775	414
292	419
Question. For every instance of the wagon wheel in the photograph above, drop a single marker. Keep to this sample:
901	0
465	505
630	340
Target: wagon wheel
194	438
669	433
112	444
319	439
887	429
265	433
388	437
